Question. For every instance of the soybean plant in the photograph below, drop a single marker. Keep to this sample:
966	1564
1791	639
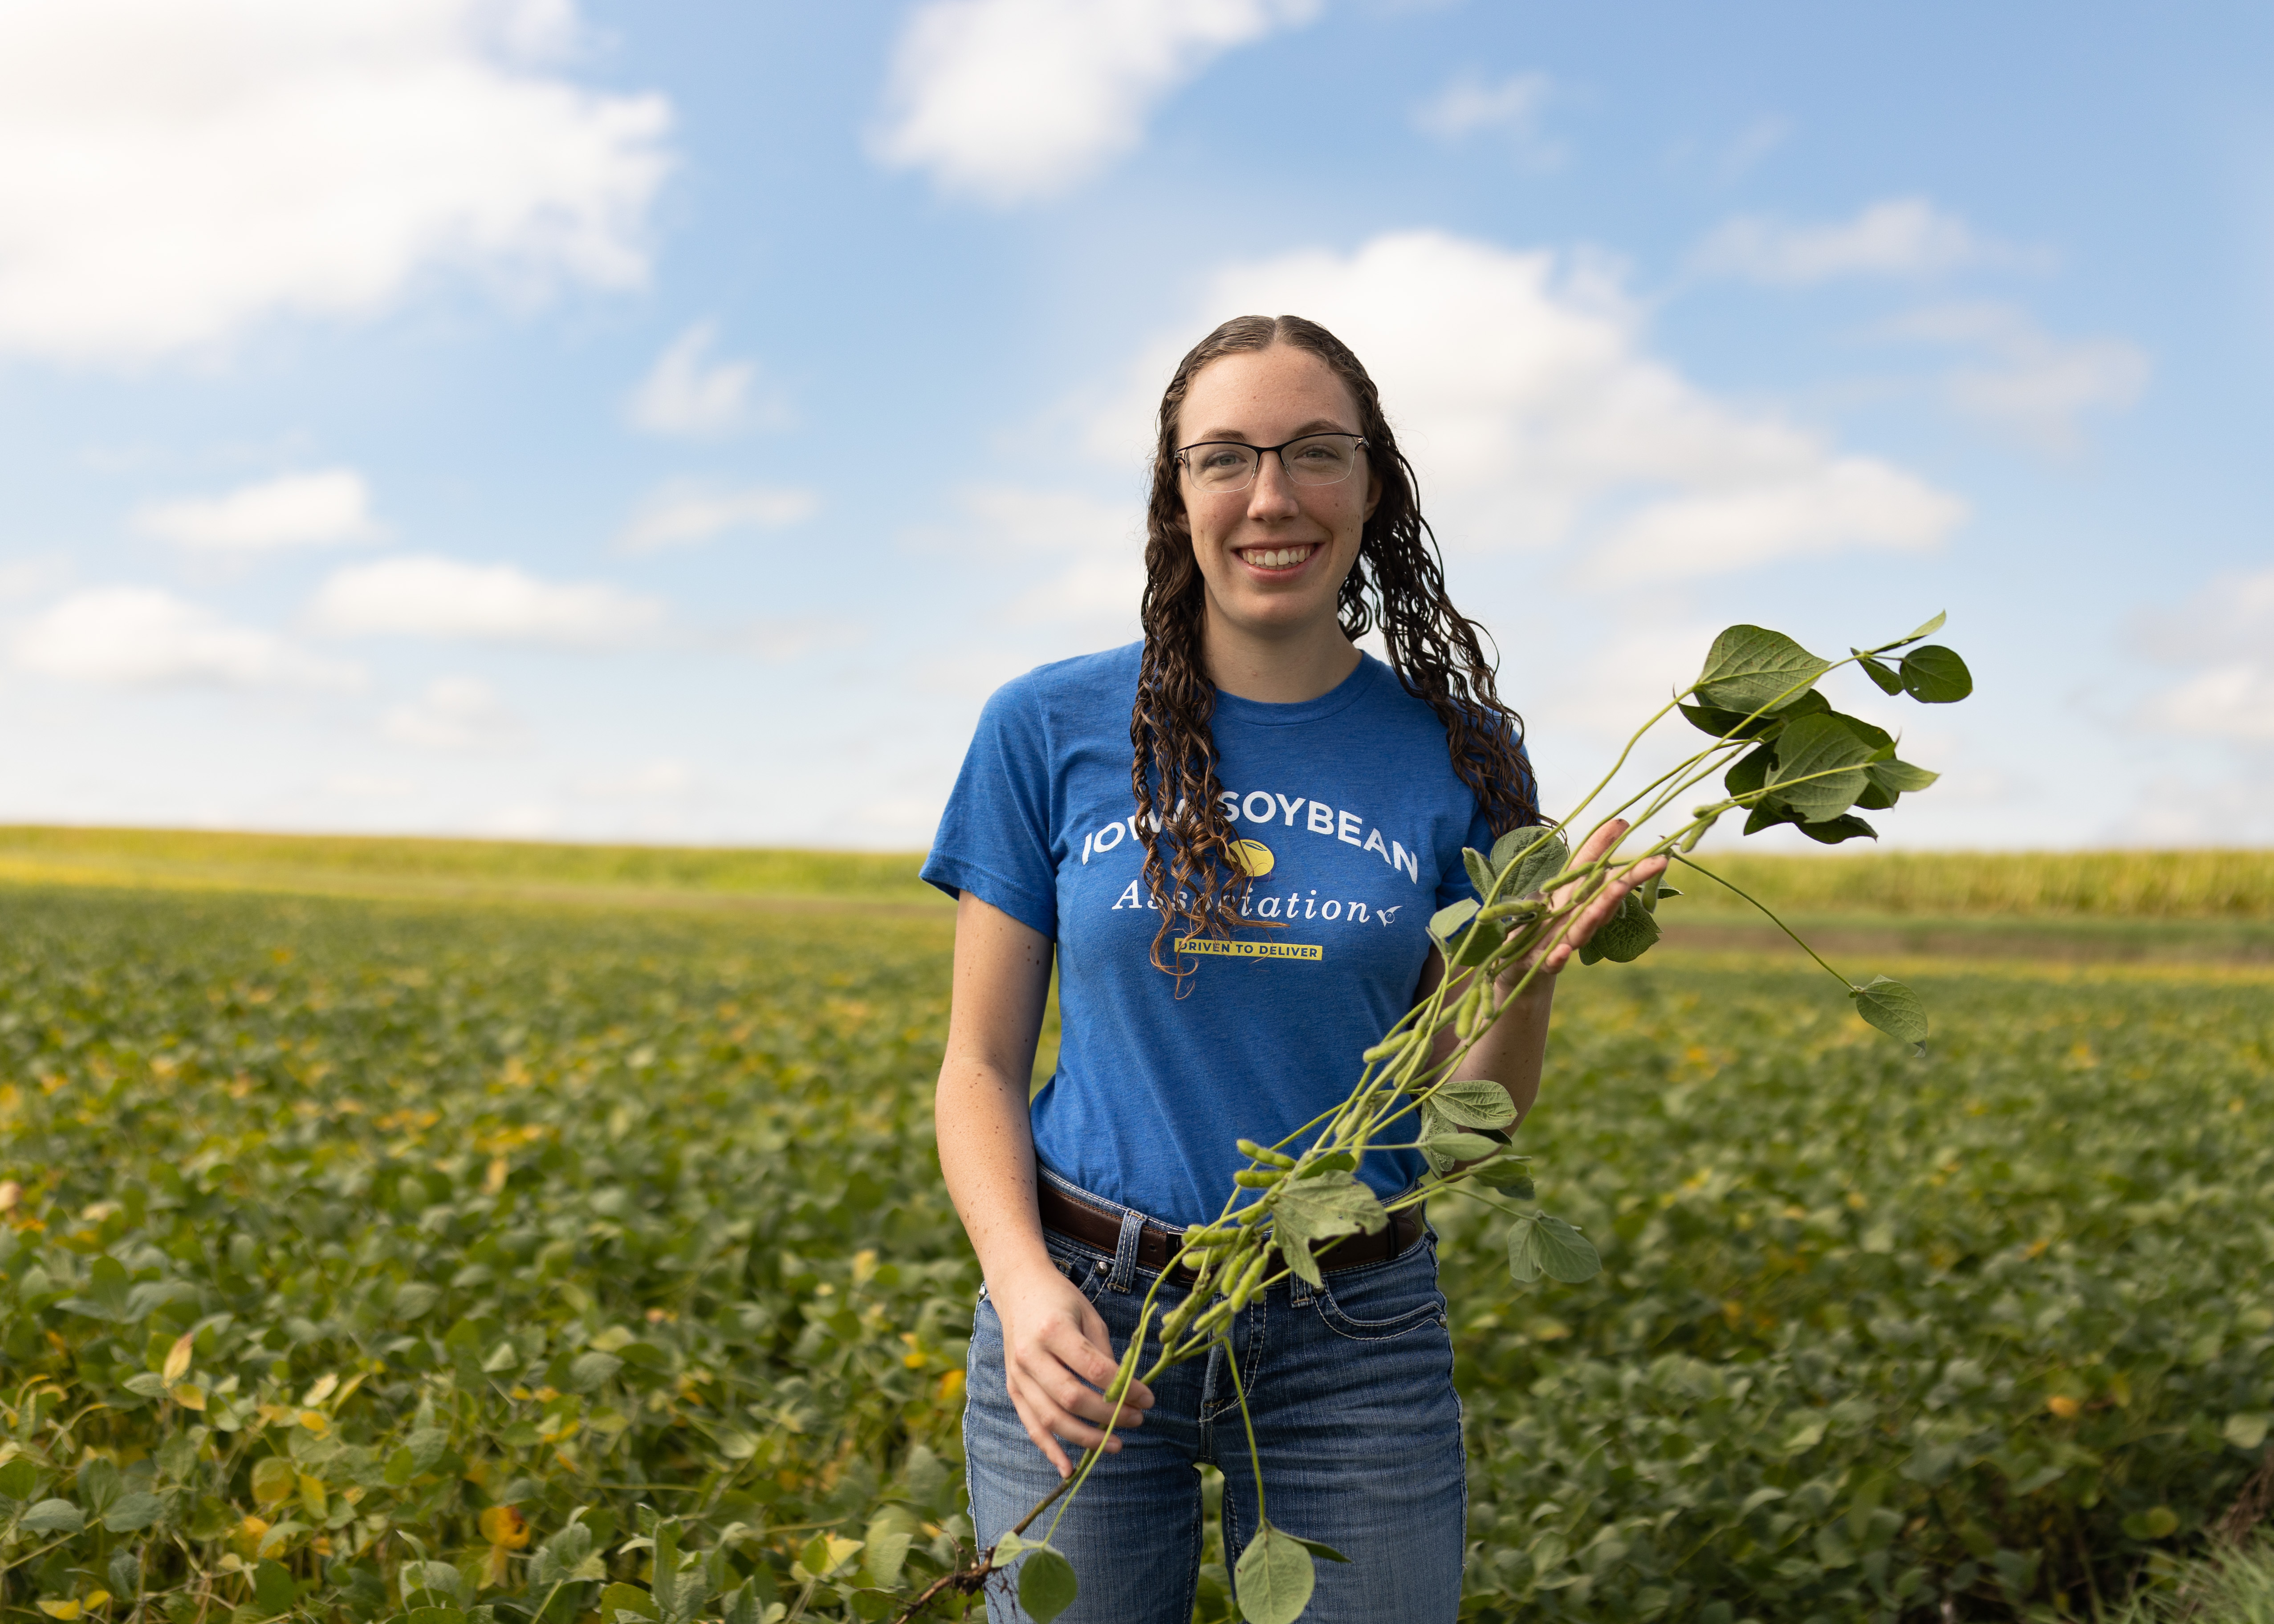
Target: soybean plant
1785	755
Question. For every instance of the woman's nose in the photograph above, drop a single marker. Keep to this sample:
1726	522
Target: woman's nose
1272	496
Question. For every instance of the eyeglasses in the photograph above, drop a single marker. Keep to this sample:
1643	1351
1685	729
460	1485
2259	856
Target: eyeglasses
1222	466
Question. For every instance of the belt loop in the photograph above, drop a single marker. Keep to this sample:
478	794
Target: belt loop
1299	1291
1124	1254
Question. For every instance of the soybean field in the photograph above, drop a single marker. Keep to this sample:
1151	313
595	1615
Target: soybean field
482	1256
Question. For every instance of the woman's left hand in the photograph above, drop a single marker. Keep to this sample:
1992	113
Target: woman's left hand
1573	934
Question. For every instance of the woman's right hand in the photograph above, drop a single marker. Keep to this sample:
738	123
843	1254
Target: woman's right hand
1058	1357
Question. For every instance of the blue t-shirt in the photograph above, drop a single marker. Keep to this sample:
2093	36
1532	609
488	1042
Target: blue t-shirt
1353	797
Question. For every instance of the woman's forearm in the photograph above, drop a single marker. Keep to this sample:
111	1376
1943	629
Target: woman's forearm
1512	1052
987	1156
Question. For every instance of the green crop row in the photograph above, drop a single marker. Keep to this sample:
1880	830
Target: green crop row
2234	885
367	1261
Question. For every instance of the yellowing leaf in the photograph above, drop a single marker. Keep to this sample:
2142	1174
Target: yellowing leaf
188	1395
66	1610
316	1421
503	1526
274	1480
2064	1406
177	1358
323	1389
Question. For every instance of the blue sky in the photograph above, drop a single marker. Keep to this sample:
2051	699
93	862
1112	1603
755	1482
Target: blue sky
671	421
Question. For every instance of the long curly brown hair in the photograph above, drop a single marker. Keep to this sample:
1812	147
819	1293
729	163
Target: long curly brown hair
1397	584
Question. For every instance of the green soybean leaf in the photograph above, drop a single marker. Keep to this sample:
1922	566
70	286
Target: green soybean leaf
272	1589
1046	1583
1750	771
1876	797
740	1607
1448	920
1539	854
1509	1173
1006	1548
1750	667
1475	1102
619	1599
1901	776
98	1485
1478	944
1481	872
1768	814
54	1516
1744	725
1454	1146
1893	1008
1564	1253
1320	1548
1275	1577
1882	741
133	1511
1832	831
1319	1209
1819	767
1628	933
18	1477
1935	675
588	1370
109	1289
1525	1265
1928	630
1883	679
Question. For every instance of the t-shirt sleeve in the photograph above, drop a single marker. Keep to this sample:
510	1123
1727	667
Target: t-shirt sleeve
994	838
1456	883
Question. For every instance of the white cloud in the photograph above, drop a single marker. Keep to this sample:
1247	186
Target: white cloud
688	395
1901	236
455	713
2233	701
318	509
683	516
1512	106
2028	383
657	780
363	786
139	637
781	642
1092	550
2226	632
439	597
171	170
1523	390
1009	100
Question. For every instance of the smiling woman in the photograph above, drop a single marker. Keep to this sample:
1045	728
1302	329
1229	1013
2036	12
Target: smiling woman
1229	837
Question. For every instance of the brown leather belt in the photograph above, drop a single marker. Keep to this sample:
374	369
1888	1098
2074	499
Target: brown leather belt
1093	1227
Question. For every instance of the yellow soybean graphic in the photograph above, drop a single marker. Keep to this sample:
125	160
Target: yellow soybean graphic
1253	857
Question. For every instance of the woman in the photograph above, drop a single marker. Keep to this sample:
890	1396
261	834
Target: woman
1243	776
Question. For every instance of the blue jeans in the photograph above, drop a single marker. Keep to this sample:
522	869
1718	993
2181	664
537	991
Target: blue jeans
1356	1422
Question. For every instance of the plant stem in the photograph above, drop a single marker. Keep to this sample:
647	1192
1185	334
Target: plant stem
1255	1455
1690	862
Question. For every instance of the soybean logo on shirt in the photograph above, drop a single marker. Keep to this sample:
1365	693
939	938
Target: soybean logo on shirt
1294	823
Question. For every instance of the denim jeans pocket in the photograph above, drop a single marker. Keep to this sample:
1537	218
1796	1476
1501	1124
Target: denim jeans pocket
1384	1300
1084	1269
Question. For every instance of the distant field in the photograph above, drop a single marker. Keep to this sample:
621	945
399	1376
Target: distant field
366	866
2232	886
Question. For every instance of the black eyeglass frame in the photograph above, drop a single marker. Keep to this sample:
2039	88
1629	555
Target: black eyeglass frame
1281	448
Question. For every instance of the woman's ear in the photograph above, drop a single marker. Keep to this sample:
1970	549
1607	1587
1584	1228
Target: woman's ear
1372	491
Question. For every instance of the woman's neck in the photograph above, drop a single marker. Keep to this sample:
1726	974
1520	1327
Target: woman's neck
1285	670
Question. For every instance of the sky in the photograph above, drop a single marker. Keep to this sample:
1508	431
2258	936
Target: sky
670	422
